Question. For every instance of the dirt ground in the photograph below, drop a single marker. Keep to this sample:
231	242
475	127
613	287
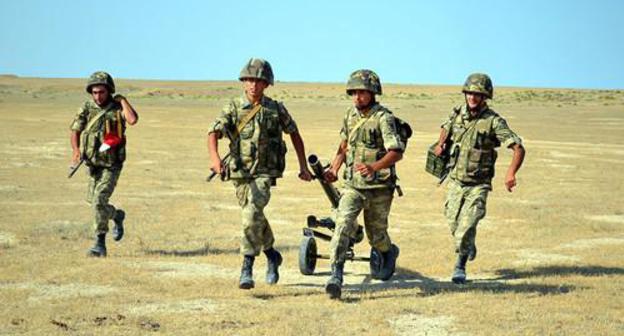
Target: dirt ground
550	253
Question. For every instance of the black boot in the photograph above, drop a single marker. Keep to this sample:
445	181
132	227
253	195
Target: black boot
118	229
246	277
459	273
389	258
334	285
274	260
99	249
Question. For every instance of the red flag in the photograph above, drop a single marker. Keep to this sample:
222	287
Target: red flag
111	140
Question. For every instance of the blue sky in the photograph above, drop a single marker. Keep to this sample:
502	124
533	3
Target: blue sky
521	43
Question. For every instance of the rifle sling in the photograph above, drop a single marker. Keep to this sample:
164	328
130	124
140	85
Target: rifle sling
245	120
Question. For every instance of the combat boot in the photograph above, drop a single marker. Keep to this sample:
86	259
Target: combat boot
246	277
118	229
99	249
274	260
459	273
334	284
389	258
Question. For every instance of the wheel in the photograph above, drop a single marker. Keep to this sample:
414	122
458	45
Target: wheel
376	263
307	255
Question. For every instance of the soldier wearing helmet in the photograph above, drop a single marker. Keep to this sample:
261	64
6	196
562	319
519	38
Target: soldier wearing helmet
470	136
370	146
254	124
98	139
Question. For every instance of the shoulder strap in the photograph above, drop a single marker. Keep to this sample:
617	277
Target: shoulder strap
119	128
245	120
94	120
357	126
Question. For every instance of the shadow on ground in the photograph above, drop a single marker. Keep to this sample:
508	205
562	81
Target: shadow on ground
545	271
207	250
408	279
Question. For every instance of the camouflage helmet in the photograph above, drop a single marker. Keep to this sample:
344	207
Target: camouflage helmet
364	80
479	83
101	78
257	68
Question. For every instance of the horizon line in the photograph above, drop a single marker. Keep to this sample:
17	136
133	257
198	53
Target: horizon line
11	75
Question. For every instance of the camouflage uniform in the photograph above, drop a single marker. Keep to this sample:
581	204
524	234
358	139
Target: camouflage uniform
473	156
104	167
369	137
257	158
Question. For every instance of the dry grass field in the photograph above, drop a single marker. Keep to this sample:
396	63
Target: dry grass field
550	253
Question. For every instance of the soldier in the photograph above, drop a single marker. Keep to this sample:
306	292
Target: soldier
370	146
97	138
254	124
474	131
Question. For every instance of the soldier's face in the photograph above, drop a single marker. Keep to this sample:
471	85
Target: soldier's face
254	88
99	94
361	98
474	100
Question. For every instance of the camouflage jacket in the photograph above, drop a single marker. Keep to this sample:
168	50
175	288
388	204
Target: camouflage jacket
259	149
474	142
92	138
369	136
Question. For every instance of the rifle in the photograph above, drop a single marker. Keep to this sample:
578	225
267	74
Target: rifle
226	162
74	168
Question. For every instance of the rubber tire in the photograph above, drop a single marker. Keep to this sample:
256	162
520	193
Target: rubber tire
307	255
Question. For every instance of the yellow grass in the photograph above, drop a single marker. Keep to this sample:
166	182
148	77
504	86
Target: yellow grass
550	254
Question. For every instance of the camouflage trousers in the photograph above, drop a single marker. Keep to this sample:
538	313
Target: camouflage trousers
102	182
376	205
253	195
464	208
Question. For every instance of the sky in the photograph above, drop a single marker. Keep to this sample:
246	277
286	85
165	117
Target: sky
563	44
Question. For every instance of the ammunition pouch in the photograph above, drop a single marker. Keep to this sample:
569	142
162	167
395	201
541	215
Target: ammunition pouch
367	155
276	155
91	142
480	163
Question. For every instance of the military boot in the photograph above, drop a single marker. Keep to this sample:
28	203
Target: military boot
334	284
99	249
274	260
459	273
390	258
118	229
246	277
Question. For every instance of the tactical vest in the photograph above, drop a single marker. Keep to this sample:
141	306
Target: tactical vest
92	136
473	153
259	149
366	146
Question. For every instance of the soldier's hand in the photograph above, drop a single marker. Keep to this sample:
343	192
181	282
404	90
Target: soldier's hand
364	169
439	149
118	98
330	175
510	182
217	167
305	174
75	157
